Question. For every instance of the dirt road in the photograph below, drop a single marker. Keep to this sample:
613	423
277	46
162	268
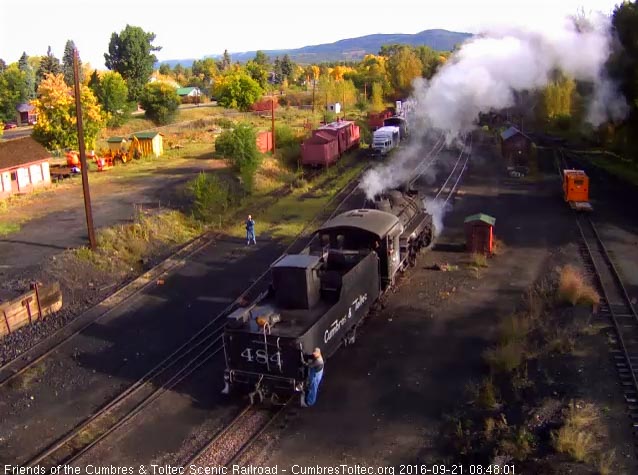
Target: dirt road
55	220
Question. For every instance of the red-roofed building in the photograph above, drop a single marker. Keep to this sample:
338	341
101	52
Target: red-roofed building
24	166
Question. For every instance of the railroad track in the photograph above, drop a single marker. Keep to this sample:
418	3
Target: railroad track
172	370
454	178
616	305
237	437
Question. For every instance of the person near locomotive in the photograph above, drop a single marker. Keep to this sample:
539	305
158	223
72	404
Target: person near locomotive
315	374
250	231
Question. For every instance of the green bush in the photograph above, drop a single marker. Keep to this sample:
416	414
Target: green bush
160	102
211	197
239	145
224	123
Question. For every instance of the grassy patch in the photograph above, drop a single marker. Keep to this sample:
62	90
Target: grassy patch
286	217
8	228
577	436
478	260
129	246
621	167
505	358
574	289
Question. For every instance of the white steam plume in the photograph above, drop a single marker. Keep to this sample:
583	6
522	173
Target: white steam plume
488	70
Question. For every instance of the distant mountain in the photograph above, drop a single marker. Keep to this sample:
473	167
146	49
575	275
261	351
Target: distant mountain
351	49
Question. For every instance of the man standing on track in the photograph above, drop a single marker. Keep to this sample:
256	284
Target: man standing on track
315	374
250	231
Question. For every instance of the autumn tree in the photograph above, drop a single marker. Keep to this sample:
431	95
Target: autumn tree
557	98
55	106
159	101
376	97
67	63
112	94
237	90
131	55
49	64
403	67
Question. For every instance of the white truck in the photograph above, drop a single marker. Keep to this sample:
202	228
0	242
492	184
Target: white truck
385	139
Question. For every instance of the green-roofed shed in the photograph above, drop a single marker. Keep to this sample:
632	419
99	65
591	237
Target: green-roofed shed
149	143
479	233
116	143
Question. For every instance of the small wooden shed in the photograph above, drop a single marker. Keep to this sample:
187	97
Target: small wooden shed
116	144
150	143
516	147
479	233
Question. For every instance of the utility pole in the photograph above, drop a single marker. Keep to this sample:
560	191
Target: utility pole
272	117
85	177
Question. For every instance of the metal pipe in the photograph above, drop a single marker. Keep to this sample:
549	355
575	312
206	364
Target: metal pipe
85	177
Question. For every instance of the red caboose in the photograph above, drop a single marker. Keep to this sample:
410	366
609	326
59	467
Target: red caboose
329	142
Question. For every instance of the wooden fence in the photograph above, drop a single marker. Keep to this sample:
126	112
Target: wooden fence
40	302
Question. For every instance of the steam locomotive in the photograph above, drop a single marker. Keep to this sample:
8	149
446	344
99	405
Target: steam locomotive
319	297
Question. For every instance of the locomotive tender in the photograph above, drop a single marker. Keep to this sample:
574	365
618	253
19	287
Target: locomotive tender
318	298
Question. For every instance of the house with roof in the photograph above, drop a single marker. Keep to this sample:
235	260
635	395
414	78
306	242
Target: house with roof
26	114
515	146
189	94
150	143
24	166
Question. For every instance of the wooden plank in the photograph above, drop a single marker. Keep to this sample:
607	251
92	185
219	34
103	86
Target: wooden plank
25	310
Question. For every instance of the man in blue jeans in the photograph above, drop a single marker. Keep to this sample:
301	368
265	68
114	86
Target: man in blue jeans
315	374
250	231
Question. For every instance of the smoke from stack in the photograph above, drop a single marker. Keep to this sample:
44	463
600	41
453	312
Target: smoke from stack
485	74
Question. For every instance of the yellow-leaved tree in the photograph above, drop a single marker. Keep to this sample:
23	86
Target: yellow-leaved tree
57	125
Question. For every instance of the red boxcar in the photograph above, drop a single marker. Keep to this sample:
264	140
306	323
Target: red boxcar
375	120
329	142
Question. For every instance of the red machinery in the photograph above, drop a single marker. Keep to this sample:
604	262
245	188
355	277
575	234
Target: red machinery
329	142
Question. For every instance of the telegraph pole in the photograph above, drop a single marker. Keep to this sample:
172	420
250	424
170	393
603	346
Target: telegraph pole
85	177
272	118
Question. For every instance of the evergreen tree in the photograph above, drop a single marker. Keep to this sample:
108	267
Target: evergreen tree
165	69
261	58
3	65
29	76
49	65
94	82
277	72
130	54
287	68
67	64
226	61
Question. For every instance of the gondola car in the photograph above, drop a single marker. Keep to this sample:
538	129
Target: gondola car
319	297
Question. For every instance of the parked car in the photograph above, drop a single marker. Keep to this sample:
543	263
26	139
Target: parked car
10	125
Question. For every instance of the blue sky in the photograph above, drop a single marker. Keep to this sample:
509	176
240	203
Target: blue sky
196	28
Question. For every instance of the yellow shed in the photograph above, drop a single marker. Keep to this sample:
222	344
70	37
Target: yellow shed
116	143
150	143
